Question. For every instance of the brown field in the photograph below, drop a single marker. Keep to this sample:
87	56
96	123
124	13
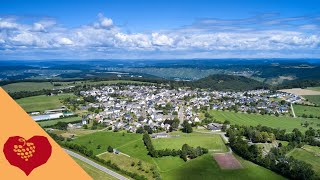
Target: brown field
300	91
227	161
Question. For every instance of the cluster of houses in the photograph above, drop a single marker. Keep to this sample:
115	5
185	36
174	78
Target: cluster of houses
131	107
256	101
136	106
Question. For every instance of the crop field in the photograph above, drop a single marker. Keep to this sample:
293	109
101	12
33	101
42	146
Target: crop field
266	120
308	110
42	103
170	167
95	173
210	141
300	91
313	98
55	121
227	161
308	154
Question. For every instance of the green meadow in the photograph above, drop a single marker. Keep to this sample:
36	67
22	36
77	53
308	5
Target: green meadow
308	110
308	154
313	98
210	141
27	86
314	88
281	122
203	167
42	102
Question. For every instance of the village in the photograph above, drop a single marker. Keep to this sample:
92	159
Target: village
132	107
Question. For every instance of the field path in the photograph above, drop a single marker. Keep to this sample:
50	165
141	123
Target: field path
294	114
102	168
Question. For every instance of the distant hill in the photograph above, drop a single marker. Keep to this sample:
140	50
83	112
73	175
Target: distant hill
223	82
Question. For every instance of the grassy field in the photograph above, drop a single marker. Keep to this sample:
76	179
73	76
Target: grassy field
203	167
55	121
313	98
124	162
266	120
301	109
314	88
42	103
106	139
95	173
36	86
209	141
27	86
309	154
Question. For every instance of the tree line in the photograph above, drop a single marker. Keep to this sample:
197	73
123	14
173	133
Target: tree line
276	160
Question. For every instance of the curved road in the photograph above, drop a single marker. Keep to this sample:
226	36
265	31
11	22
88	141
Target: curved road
102	168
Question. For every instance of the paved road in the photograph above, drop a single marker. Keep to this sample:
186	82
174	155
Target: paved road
84	159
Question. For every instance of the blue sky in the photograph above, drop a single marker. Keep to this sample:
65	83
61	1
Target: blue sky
96	29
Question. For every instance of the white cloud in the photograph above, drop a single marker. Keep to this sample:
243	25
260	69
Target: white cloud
104	22
64	41
38	27
161	40
103	38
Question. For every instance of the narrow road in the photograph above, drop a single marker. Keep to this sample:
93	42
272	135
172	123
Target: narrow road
294	114
102	168
181	115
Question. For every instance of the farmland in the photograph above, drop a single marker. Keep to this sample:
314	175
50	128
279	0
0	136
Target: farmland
125	162
309	154
300	91
27	86
314	88
209	141
42	102
206	168
93	172
265	120
313	98
171	167
308	110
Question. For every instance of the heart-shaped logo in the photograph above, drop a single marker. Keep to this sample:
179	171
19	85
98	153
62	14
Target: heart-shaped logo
27	154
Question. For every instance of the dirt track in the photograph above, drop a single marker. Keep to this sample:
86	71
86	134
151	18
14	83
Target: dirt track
227	161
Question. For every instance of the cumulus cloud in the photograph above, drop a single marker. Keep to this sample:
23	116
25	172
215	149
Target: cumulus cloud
64	41
104	22
38	27
260	36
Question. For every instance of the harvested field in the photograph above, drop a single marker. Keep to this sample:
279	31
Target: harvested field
300	91
227	161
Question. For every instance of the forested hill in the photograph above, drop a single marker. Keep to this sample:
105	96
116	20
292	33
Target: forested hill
227	82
